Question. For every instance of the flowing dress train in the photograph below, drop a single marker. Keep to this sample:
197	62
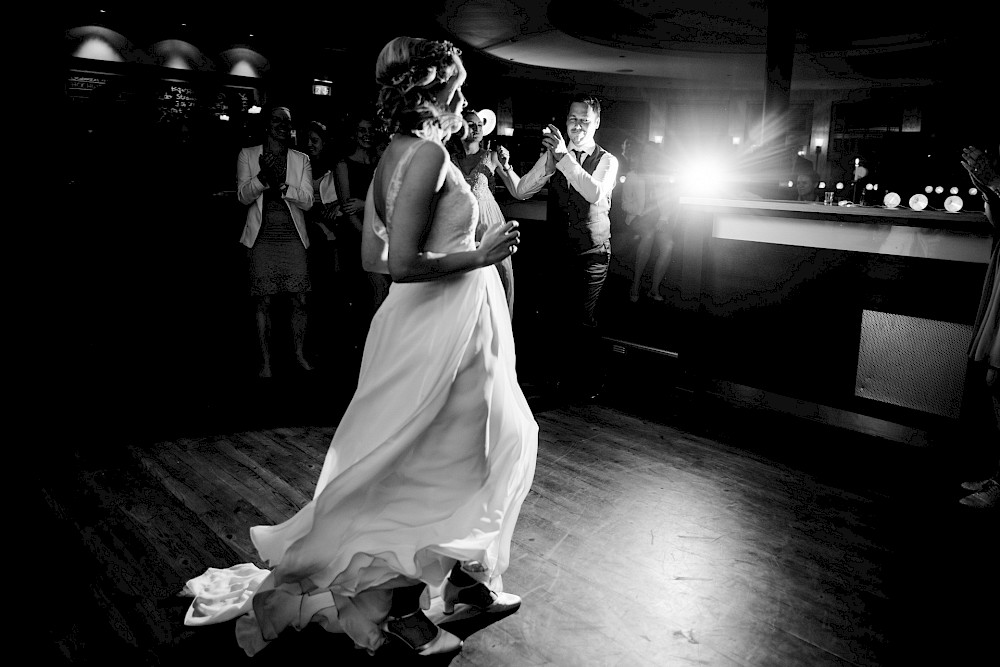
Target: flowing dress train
429	465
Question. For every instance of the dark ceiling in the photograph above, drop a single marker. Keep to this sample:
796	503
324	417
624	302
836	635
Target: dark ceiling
658	43
685	43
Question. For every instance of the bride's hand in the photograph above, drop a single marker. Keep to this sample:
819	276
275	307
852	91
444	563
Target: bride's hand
500	243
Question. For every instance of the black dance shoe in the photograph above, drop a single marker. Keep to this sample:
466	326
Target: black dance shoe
421	635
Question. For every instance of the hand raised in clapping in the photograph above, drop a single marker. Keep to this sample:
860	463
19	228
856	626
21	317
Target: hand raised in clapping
503	156
264	172
500	242
981	168
272	169
554	142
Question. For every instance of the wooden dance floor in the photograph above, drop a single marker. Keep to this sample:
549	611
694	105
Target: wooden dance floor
676	533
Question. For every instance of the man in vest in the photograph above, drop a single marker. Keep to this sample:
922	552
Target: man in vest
580	177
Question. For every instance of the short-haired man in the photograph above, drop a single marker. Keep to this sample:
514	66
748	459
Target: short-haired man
581	176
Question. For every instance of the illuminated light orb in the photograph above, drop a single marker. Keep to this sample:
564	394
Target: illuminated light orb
891	200
254	109
840	185
973	191
869	186
918	202
791	184
822	185
929	189
953	191
621	179
938	190
953	204
223	117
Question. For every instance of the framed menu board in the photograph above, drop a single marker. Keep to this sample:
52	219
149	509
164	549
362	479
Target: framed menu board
176	100
162	99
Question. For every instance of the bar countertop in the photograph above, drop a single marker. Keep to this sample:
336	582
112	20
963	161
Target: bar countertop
974	222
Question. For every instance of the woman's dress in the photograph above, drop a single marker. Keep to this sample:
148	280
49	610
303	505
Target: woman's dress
429	465
481	180
278	260
359	175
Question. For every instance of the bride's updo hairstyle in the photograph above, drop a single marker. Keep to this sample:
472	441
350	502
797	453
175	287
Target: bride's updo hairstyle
412	71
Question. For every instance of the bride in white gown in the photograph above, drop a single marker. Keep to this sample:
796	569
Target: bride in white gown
413	512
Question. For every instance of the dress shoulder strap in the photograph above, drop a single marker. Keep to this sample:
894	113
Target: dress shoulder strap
397	177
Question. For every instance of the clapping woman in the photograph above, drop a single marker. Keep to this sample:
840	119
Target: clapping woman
274	182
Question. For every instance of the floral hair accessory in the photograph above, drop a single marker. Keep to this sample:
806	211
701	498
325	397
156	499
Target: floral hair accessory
430	67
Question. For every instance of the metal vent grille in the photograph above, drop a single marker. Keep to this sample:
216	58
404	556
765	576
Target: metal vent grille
912	362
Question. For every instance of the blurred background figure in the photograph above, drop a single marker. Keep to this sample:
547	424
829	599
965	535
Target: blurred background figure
329	308
274	182
984	349
648	200
480	164
326	208
627	161
353	173
806	186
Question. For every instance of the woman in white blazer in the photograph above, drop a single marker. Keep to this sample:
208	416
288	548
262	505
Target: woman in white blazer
275	182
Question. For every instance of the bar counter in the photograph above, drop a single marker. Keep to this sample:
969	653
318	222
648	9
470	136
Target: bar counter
858	316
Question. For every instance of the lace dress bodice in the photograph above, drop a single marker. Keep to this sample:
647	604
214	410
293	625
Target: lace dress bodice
454	224
482	182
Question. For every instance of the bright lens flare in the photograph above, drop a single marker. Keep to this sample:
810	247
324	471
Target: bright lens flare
704	176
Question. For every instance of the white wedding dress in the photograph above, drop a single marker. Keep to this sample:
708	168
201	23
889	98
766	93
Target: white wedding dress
429	465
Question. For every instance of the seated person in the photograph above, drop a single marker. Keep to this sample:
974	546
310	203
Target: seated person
806	186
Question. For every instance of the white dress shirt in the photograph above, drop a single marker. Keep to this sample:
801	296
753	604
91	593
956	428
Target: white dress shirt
595	188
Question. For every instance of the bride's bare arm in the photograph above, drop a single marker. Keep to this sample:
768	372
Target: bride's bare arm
412	213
